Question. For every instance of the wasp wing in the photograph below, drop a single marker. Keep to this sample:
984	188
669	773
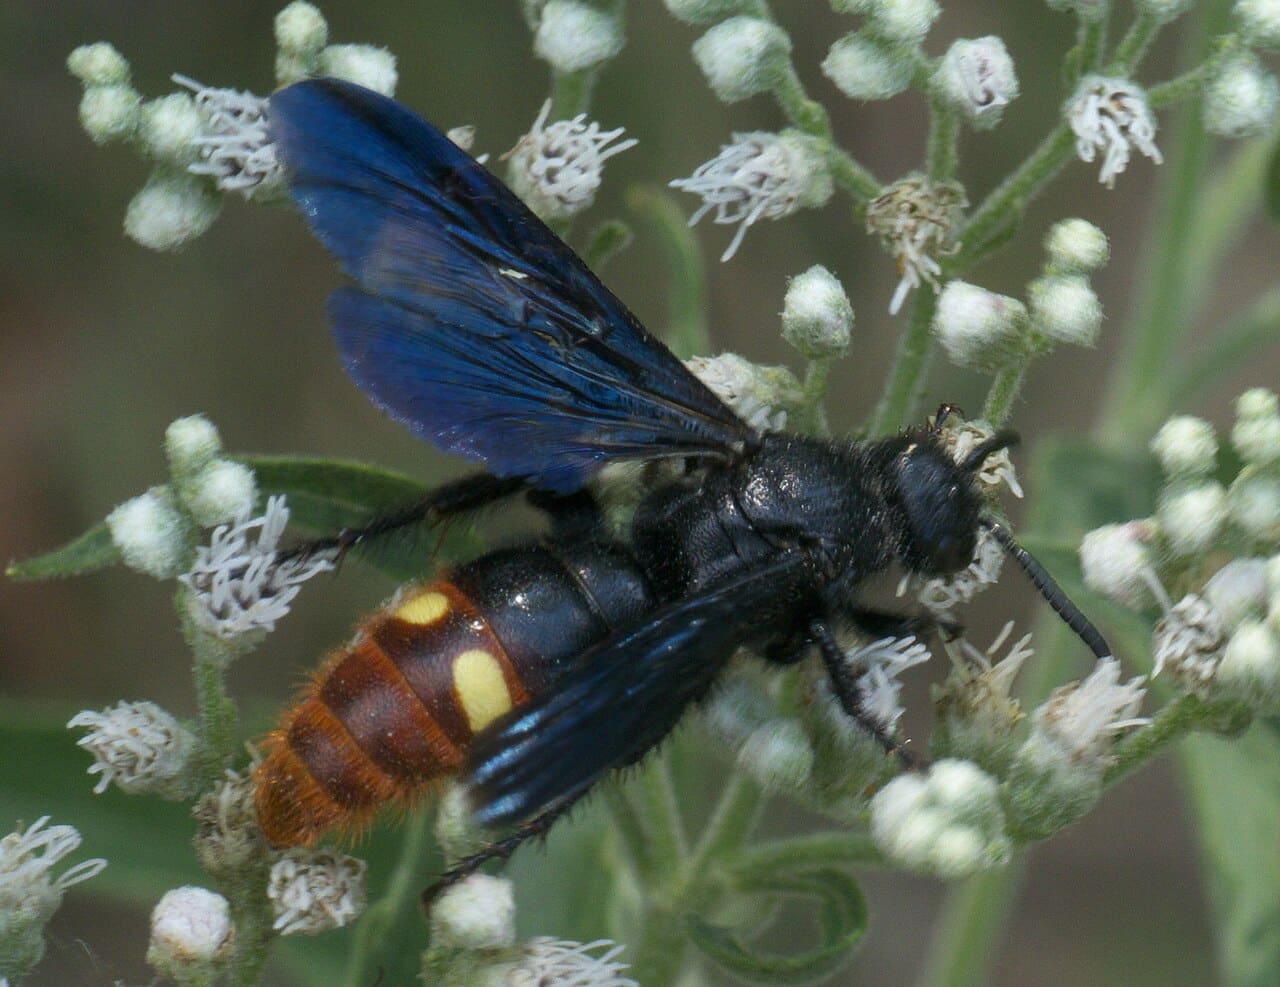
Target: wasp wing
627	694
473	323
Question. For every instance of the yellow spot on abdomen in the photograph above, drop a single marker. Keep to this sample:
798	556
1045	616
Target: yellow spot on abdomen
481	689
424	608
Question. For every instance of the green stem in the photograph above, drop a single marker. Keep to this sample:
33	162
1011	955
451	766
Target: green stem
731	823
571	93
1004	391
942	153
906	380
660	820
253	915
627	828
1091	40
808	852
217	721
1191	82
974	915
807	114
1181	716
849	175
1133	45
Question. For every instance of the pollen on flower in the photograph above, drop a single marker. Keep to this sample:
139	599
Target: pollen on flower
759	176
314	891
557	168
977	714
547	962
235	146
237	586
138	746
914	219
1112	116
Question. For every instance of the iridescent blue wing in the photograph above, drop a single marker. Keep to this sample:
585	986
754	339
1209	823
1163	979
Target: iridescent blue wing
473	323
628	692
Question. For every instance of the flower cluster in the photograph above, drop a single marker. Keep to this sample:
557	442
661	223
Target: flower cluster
914	219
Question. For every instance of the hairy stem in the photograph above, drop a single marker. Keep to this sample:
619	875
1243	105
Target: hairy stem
807	114
1004	391
942	153
1178	718
218	737
906	380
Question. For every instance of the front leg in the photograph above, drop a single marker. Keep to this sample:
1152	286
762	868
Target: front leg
877	624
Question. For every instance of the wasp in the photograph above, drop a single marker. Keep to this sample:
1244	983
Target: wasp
535	670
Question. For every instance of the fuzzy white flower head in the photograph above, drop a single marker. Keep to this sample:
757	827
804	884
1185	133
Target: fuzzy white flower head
476	913
98	64
904	21
962	437
742	56
864	67
314	891
365	65
110	113
1256	434
1111	116
759	395
1186	447
1253	501
942	594
976	712
547	962
238	587
817	316
879	664
1259	22
1081	720
1164	11
557	168
301	29
171	128
778	755
572	36
1238	590
1075	246
978	328
976	78
191	935
1065	309
171	210
29	893
1250	667
948	822
759	176
235	144
191	443
1117	561
228	836
1192	516
1241	99
138	746
1188	642
151	533
914	219
220	493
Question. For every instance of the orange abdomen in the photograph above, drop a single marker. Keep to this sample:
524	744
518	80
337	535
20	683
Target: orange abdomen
394	711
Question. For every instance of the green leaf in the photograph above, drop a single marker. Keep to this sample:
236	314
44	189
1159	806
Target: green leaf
1088	486
841	918
1271	186
607	240
1235	793
90	552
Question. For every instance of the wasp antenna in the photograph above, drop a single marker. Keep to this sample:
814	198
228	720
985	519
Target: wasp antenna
1049	589
1003	439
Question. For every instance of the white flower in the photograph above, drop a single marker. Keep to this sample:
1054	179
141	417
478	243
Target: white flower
1065	309
238	587
1112	116
1191	516
914	218
1081	720
976	78
864	67
884	660
110	113
1259	22
1117	561
220	493
301	29
138	746
170	210
548	962
947	822
778	755
235	145
757	394
960	439
557	168
978	328
904	21
191	935
151	533
1241	99
1188	642
759	176
365	65
98	64
478	912
817	316
1186	447
742	56
942	594
573	36
313	891
976	713
1075	246
1250	667
1238	590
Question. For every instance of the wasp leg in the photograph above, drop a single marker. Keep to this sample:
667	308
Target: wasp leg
572	515
883	623
470	493
844	680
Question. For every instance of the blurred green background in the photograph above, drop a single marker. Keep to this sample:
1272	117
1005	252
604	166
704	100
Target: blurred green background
102	343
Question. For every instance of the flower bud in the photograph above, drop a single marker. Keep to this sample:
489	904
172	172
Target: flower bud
138	746
1192	516
220	493
110	113
98	64
742	56
759	395
817	316
170	128
1250	668
301	29
365	65
572	36
778	755
1164	11
478	912
315	891
1241	99
978	328
1253	502
904	21
976	78
1117	562
702	12
1238	591
1186	447
863	67
1065	309
1075	246
1259	22
151	533
171	210
192	935
1256	435
191	444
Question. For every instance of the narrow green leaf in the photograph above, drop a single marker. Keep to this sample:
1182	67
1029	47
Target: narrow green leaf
841	915
1235	793
90	552
1271	187
607	240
